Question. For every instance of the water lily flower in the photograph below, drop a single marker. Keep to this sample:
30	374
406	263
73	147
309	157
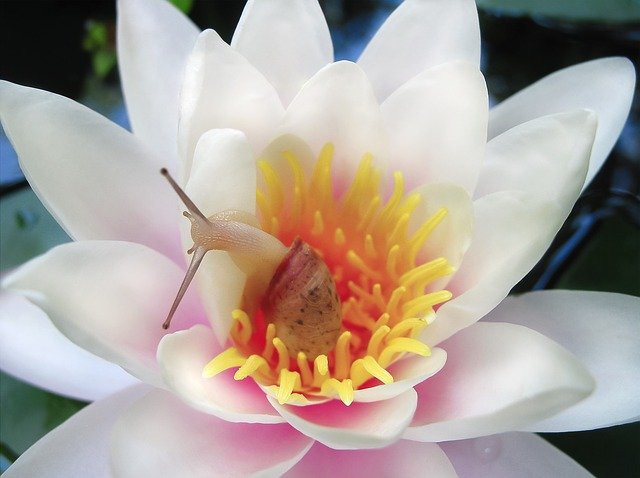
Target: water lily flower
425	206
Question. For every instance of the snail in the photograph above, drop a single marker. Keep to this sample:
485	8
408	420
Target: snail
296	290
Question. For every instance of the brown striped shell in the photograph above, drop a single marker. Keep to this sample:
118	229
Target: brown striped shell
302	302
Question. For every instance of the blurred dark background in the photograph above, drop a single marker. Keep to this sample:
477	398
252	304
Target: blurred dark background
67	46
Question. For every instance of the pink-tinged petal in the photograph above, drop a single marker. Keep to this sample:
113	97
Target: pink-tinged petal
406	373
524	455
452	237
95	178
222	89
338	106
80	446
498	377
357	426
418	35
603	331
183	355
437	123
161	436
109	298
154	42
287	41
545	156
34	351
512	230
605	86
223	177
402	459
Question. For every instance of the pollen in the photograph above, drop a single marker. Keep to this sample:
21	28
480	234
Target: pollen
383	276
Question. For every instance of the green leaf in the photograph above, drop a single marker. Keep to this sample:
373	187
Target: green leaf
184	5
103	62
28	413
619	11
26	229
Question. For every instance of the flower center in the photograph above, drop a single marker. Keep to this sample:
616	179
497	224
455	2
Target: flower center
381	278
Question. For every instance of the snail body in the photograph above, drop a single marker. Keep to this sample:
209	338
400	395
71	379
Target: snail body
298	293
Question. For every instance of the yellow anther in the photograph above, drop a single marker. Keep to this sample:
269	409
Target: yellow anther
343	388
356	261
420	236
283	353
253	363
246	329
320	370
394	300
228	359
407	327
275	226
320	188
274	188
425	272
369	214
402	345
358	373
318	224
268	345
369	247
360	182
382	320
373	367
399	230
305	370
342	355
338	237
392	261
288	381
376	339
422	305
393	202
378	298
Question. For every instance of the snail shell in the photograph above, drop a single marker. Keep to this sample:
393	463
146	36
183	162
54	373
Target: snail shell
302	302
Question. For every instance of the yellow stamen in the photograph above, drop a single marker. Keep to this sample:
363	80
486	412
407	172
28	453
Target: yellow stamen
385	274
288	381
228	359
253	363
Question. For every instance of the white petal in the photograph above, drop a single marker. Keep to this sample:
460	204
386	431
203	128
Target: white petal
78	447
406	374
287	41
222	89
223	177
183	355
357	426
603	331
154	41
452	237
402	459
605	86
418	35
338	106
498	377
437	123
546	156
524	455
96	179
34	351
512	230
108	297
160	436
